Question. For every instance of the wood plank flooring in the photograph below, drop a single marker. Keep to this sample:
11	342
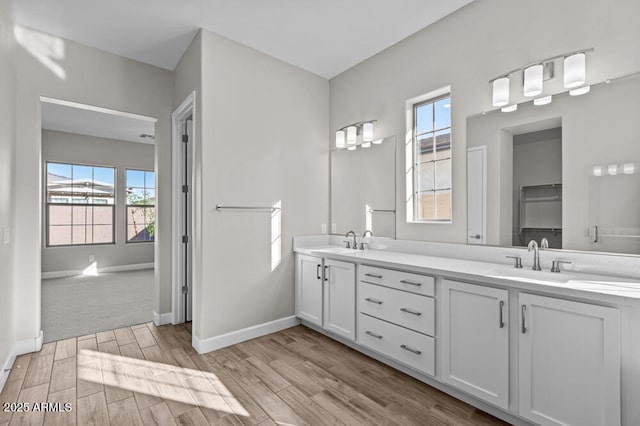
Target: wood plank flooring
147	375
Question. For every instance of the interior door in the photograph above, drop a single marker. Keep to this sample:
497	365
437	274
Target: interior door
476	194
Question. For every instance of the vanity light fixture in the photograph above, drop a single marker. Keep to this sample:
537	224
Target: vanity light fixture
533	76
536	73
347	136
501	91
612	169
352	148
341	140
377	142
575	72
542	101
580	91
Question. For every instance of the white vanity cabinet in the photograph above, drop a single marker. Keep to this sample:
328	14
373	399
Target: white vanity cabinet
309	288
569	362
396	315
340	298
475	340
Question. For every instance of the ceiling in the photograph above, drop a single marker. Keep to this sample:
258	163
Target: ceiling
69	117
325	37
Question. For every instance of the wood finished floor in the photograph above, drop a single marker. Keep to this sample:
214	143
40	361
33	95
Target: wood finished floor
151	375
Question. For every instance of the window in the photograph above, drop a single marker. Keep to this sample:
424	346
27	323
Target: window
141	210
431	152
80	204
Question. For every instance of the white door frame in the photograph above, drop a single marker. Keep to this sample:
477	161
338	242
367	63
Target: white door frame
187	108
483	150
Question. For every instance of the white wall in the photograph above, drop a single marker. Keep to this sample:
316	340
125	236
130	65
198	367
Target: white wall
80	149
7	181
264	138
465	50
58	68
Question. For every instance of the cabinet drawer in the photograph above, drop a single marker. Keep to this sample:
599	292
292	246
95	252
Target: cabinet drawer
415	283
399	307
408	347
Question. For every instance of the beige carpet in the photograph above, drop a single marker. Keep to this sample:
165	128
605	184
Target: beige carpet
75	306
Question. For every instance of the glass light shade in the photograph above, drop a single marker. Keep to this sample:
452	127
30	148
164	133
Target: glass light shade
580	91
612	169
367	132
352	148
352	131
542	101
341	142
575	71
509	108
533	80
628	168
377	142
597	170
501	91
365	144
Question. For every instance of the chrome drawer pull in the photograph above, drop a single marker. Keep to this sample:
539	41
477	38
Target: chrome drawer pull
407	348
372	275
501	321
411	283
376	301
411	311
372	334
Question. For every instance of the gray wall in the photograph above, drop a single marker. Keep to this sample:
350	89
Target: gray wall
92	77
81	149
7	181
465	50
264	138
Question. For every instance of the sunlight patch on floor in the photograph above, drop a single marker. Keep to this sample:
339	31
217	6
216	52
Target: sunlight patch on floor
194	387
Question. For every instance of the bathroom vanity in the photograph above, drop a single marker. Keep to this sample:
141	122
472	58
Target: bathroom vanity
527	346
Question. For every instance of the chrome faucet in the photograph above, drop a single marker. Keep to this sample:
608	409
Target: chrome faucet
533	245
355	240
544	243
364	234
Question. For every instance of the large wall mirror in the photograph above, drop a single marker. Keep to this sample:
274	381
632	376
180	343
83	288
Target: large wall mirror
363	189
568	172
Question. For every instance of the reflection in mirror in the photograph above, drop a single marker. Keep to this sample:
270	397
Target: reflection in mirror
566	171
363	190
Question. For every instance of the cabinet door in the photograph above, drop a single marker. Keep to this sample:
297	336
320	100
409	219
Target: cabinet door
340	298
569	362
476	340
309	289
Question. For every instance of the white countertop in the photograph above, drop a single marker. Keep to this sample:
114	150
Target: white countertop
569	283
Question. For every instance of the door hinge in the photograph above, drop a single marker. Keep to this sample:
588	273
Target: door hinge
185	289
185	239
185	188
185	138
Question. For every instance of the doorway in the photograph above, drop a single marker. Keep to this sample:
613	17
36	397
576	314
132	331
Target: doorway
98	219
183	211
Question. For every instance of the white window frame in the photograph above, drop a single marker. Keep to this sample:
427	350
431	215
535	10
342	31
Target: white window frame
410	170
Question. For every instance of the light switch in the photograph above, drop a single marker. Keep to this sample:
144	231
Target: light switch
334	228
6	235
323	228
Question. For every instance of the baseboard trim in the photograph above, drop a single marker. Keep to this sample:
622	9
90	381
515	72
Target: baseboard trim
117	268
20	347
6	368
162	319
218	342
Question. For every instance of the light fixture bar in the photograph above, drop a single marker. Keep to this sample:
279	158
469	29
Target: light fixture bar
552	58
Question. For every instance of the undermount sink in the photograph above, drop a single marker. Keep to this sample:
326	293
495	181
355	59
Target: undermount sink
507	272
